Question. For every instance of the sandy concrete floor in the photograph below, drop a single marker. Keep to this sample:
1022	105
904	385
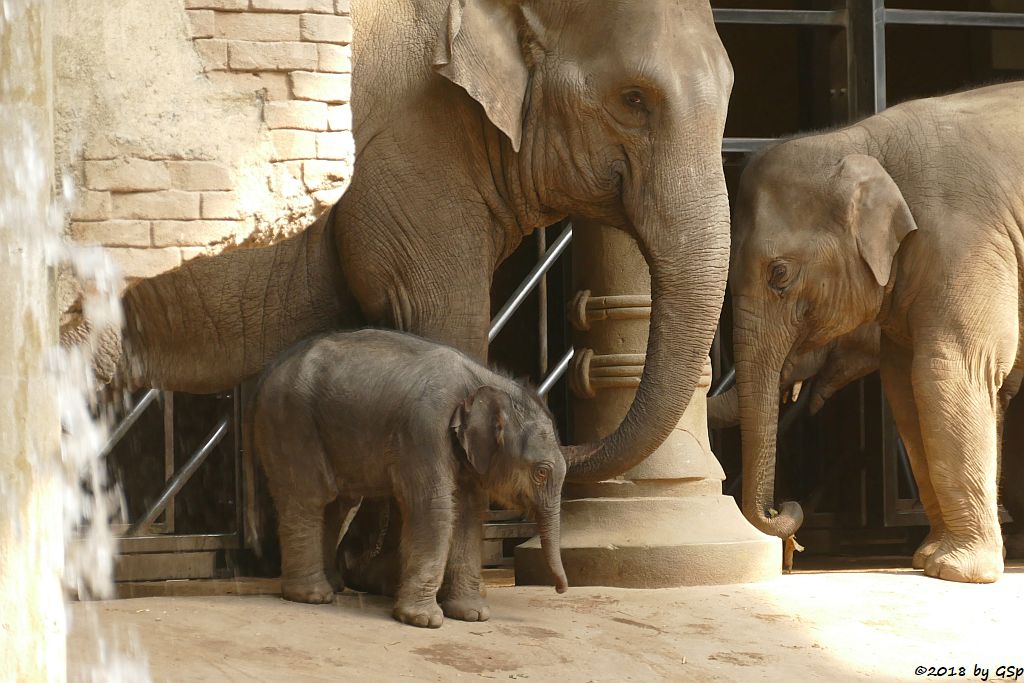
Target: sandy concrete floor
836	626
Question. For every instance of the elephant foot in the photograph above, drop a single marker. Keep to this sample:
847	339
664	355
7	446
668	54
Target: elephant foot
466	608
1013	544
927	548
314	590
334	578
419	614
975	563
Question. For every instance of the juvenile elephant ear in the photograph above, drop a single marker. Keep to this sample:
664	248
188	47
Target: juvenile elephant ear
877	213
479	50
479	423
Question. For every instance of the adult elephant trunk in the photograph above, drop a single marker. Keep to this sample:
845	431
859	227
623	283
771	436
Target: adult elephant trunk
760	353
680	217
550	543
724	409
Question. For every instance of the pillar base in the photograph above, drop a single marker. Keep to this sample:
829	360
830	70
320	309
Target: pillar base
654	542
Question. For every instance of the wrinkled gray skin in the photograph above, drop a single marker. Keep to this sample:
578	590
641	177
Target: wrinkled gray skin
475	124
912	218
376	413
832	366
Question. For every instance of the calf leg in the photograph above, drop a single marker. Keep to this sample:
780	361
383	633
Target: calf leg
302	548
426	539
462	597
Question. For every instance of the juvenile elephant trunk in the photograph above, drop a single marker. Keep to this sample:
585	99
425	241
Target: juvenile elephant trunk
549	529
759	360
681	221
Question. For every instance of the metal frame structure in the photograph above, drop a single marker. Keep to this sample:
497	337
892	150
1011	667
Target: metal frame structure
864	22
152	538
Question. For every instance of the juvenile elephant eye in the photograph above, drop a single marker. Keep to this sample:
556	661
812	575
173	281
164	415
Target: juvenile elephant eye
541	473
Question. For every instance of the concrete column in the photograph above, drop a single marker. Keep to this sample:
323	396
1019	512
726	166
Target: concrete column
665	522
32	623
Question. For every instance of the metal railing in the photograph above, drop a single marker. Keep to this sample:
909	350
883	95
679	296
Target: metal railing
534	279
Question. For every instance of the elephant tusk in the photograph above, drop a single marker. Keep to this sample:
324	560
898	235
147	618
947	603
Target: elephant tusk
797	386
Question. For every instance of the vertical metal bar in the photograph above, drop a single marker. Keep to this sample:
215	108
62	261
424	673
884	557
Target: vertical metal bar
168	402
865	45
237	455
542	307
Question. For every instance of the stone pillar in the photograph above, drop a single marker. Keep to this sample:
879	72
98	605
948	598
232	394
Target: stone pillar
665	522
32	625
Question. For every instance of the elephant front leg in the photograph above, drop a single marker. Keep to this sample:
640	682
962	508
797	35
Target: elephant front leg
896	369
426	539
462	596
302	547
958	424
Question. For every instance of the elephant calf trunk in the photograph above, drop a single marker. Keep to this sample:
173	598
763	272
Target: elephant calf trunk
550	543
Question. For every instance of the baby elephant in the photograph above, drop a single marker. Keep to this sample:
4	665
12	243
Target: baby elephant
376	413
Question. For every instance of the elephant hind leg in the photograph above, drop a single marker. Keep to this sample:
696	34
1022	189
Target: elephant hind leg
896	367
958	422
302	548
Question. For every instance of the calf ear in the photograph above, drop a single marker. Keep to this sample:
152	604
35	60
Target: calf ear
478	49
479	423
876	212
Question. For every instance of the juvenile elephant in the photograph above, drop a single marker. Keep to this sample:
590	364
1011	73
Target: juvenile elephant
376	413
912	218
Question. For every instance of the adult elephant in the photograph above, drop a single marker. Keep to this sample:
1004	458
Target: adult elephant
476	122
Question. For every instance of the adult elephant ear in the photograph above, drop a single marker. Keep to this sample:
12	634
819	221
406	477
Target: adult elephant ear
876	212
479	49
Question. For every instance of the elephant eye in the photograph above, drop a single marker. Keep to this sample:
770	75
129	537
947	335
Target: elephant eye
541	473
635	99
778	277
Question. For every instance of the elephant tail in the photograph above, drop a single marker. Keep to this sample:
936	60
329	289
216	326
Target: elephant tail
215	321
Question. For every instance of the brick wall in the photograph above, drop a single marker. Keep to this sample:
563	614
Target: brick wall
154	205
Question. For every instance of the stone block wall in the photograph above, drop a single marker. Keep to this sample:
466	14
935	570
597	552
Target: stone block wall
192	126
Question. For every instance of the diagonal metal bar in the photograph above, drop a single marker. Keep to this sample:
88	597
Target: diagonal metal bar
529	283
181	477
129	419
556	373
724	384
